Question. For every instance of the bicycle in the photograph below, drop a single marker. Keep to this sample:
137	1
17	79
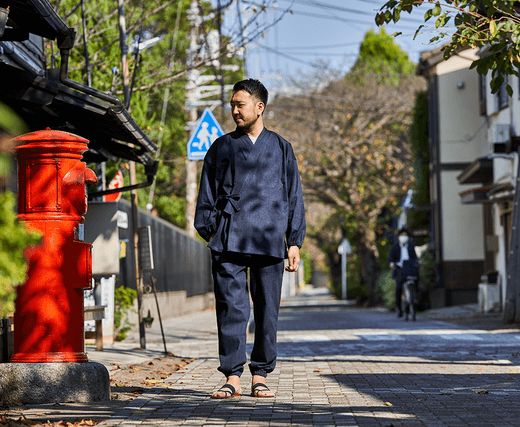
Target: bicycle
409	296
410	272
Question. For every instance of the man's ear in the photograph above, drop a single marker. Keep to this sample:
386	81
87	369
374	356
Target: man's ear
260	106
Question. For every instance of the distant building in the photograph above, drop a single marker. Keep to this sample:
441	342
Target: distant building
457	136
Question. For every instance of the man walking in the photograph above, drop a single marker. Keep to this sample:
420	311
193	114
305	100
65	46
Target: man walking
401	252
250	210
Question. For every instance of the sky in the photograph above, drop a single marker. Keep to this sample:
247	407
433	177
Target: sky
316	30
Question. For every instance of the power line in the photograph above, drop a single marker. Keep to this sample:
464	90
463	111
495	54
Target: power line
319	47
338	18
321	5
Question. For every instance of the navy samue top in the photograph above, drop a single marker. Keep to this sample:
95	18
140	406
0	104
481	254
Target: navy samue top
250	197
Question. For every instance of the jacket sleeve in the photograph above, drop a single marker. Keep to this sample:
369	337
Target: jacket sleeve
296	224
205	214
412	253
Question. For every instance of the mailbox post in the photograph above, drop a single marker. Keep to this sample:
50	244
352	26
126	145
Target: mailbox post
48	329
49	319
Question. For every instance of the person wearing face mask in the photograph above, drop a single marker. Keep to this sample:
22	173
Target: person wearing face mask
402	251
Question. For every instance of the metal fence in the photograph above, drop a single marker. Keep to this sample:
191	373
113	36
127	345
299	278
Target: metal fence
181	262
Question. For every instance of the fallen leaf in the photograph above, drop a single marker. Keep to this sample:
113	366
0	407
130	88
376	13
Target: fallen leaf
317	370
511	378
164	372
135	368
119	385
151	381
421	400
138	412
480	391
151	363
335	393
197	376
512	372
387	404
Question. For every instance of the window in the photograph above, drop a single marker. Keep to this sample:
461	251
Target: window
482	95
503	96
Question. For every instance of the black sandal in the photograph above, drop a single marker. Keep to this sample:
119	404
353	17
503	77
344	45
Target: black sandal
228	390
255	392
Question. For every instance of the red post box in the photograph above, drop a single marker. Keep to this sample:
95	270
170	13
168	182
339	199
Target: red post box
49	319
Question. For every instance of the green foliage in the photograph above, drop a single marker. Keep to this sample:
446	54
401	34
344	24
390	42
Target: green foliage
158	75
380	55
386	289
418	134
123	302
13	241
428	279
307	266
478	23
356	289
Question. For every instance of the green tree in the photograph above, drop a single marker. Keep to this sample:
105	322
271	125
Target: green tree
351	140
158	80
476	23
379	54
420	219
13	237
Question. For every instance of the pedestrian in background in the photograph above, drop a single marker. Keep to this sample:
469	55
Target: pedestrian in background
402	251
250	210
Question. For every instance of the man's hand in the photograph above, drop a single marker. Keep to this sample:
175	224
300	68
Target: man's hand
294	259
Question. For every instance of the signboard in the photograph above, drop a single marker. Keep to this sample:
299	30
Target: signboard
117	182
345	247
206	131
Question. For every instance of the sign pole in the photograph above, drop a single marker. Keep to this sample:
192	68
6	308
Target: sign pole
191	95
344	249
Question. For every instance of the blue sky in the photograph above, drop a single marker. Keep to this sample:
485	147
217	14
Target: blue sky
326	30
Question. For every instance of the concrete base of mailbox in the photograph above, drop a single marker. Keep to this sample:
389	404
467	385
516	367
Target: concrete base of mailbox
54	382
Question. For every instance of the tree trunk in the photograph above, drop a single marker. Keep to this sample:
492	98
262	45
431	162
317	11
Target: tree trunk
369	269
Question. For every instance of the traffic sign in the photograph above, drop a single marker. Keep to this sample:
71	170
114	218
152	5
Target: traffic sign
206	131
345	247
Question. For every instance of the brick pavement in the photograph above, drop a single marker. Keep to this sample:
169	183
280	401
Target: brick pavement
343	366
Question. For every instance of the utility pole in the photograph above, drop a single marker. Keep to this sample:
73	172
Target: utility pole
191	107
133	178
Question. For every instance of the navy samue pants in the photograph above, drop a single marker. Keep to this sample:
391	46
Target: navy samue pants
233	308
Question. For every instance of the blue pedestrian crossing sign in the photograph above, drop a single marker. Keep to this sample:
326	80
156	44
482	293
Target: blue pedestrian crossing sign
206	131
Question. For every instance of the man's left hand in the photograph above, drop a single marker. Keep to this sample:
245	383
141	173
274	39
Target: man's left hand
294	259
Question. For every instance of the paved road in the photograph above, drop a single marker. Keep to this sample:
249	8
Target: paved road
343	366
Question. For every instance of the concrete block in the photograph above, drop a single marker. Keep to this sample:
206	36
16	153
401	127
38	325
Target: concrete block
54	382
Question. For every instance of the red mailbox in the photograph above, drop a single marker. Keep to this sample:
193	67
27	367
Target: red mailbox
49	319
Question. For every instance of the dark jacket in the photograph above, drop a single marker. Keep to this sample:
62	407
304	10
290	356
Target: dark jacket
250	197
395	255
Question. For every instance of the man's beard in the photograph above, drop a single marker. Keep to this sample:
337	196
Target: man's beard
246	125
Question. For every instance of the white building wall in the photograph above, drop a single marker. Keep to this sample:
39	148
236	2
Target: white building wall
462	129
461	224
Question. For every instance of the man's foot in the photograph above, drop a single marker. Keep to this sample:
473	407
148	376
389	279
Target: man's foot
259	389
400	314
230	389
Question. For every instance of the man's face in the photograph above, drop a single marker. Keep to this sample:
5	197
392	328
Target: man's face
245	109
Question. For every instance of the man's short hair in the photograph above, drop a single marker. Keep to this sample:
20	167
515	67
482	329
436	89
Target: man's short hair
404	230
254	88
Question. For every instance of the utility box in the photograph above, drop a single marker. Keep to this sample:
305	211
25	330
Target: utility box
101	231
